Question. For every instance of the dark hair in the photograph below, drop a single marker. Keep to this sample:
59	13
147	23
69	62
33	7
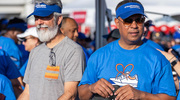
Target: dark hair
126	1
16	20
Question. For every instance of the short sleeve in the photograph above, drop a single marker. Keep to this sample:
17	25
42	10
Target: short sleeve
90	73
28	69
74	65
163	82
6	88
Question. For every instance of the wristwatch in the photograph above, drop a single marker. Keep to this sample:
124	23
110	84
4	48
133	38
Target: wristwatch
173	63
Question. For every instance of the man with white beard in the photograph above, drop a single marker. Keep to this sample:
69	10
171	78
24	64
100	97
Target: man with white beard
55	67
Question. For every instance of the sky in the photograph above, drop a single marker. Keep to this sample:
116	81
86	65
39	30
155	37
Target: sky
90	3
161	2
170	7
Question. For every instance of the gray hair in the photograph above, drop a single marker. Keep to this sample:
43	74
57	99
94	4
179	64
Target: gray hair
49	2
56	15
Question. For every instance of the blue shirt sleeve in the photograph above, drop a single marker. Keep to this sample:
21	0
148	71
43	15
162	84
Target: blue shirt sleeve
6	88
23	68
11	70
90	73
163	81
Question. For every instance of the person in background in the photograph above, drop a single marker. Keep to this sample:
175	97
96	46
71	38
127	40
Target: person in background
81	40
69	28
54	67
140	71
9	69
89	45
30	40
147	24
156	37
112	36
3	25
6	88
175	64
176	37
167	42
9	41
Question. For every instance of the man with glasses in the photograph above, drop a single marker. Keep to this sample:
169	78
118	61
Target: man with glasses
128	68
55	67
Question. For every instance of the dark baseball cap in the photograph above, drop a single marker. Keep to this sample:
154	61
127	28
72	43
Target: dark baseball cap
114	34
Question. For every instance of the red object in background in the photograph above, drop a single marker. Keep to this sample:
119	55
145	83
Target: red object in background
164	29
87	30
174	28
112	27
79	28
154	28
29	26
79	16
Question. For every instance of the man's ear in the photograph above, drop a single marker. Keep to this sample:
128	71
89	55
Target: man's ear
116	22
60	20
62	30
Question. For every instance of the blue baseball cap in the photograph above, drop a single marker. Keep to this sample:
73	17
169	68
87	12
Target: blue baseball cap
176	35
81	35
21	26
129	9
43	10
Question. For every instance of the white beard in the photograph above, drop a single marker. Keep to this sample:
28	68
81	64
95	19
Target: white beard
47	35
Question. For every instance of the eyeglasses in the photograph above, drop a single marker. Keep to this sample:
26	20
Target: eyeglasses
129	21
52	60
25	39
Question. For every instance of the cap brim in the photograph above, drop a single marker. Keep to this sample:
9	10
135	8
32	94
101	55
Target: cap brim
22	35
128	14
41	13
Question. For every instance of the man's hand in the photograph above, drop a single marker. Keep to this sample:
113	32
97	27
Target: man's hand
127	92
102	87
168	54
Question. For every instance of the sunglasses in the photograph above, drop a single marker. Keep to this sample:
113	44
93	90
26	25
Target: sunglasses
52	60
25	39
129	21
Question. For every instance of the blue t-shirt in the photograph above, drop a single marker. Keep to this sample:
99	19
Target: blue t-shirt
177	48
178	96
8	45
144	68
6	88
7	67
25	54
86	54
153	44
23	68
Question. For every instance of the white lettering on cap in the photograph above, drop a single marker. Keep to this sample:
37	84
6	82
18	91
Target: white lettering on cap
132	6
41	6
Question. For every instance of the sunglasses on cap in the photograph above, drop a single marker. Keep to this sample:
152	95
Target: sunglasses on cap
129	21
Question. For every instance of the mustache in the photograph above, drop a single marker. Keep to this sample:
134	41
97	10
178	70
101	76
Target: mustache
42	26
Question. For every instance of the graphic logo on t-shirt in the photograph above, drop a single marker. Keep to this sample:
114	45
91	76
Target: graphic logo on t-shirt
125	78
52	72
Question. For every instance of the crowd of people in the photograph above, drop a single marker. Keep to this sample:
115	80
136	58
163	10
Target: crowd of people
53	61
